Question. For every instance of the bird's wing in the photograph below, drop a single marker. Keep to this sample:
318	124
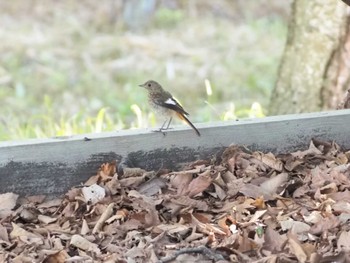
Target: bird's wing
169	102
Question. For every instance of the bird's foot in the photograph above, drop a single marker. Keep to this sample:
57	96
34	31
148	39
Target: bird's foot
162	130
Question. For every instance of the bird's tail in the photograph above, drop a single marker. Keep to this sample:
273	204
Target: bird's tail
183	117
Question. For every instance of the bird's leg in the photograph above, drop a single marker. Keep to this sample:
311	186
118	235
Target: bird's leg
162	129
167	127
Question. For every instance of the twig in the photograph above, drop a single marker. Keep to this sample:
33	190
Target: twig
202	249
105	215
192	171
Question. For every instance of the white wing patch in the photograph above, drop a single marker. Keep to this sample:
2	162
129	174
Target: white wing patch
170	101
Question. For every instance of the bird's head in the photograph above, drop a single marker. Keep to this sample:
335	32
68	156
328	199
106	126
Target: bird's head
152	86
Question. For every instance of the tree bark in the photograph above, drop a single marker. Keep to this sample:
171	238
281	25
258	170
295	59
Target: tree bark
313	73
346	2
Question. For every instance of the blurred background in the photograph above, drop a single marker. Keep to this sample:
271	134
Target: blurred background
69	67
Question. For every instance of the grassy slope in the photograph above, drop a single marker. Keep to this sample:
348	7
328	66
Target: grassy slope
65	68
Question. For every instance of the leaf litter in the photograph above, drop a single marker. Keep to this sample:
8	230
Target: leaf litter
243	207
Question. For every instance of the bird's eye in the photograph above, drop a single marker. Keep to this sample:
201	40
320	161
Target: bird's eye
149	85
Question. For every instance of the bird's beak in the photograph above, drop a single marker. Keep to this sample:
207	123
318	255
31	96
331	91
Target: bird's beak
141	85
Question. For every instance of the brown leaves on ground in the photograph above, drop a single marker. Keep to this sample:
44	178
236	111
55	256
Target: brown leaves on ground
248	207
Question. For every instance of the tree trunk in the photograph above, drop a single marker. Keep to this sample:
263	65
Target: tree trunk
313	74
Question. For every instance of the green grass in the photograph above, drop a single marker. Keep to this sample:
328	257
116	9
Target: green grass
66	69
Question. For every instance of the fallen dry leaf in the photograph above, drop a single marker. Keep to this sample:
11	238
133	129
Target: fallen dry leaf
343	242
256	192
245	207
58	257
199	184
8	202
151	187
270	160
274	241
46	219
84	244
93	193
297	248
274	183
328	223
180	181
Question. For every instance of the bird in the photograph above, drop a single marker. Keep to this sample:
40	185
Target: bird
164	104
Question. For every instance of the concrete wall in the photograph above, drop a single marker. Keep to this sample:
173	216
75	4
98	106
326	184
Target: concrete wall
52	166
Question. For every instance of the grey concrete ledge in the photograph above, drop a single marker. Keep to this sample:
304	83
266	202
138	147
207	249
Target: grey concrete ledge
52	166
